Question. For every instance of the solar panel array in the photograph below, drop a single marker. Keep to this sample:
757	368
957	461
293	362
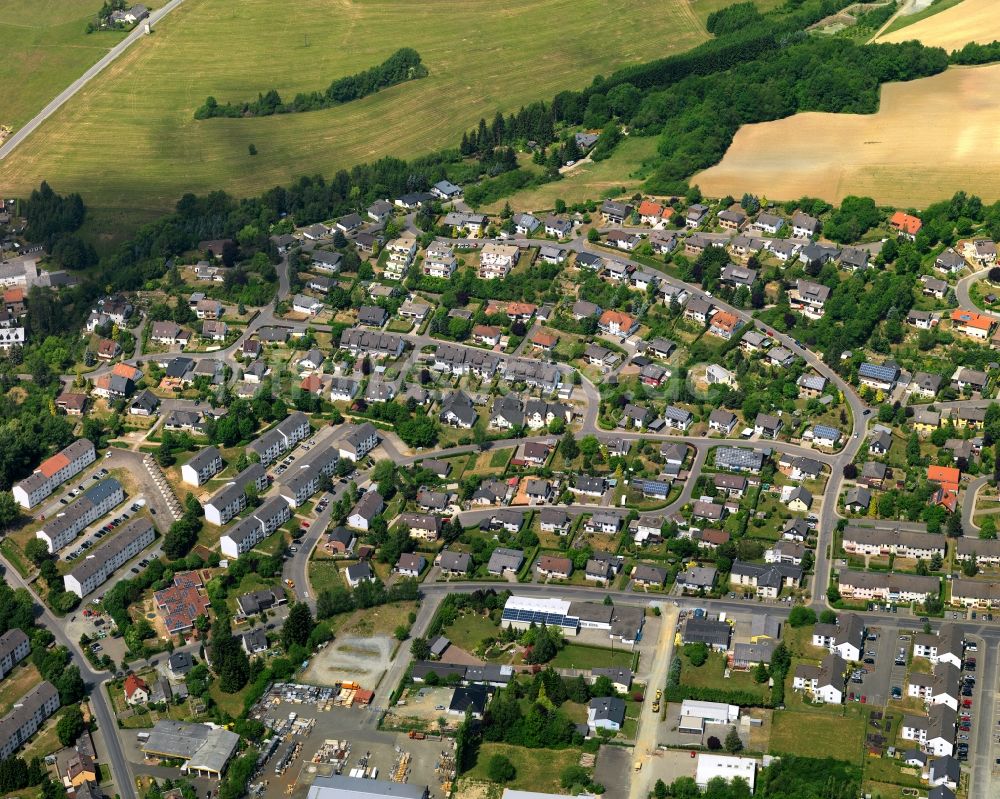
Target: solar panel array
540	617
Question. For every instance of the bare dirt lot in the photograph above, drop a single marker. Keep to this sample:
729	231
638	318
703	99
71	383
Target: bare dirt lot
969	21
363	660
931	138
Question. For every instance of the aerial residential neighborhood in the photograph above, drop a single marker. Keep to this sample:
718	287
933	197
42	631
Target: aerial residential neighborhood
462	425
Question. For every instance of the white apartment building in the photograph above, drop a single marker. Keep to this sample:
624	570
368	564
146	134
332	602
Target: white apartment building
102	562
54	471
202	467
61	529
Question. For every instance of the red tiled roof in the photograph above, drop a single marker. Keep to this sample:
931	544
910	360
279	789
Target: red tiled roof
973	319
52	465
133	684
905	223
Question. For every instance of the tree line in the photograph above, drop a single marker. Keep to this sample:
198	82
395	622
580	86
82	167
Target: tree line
401	66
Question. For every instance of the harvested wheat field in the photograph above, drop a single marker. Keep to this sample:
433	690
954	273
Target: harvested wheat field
930	138
969	21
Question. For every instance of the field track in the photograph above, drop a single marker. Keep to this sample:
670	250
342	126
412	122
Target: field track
931	137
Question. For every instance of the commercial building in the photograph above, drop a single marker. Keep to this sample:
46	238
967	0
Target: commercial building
53	471
97	500
205	749
726	767
114	553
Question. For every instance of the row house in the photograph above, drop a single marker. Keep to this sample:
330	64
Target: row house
859	540
975	593
374	343
888	587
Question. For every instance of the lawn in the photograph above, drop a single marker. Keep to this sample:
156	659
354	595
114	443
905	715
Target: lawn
16	684
469	630
816	732
536	769
712	675
45	49
471	51
324	574
580	656
230	703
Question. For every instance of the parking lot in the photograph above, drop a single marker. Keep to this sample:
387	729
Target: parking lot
106	525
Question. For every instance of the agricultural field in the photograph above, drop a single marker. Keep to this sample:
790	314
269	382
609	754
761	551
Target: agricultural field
948	24
931	138
45	48
481	57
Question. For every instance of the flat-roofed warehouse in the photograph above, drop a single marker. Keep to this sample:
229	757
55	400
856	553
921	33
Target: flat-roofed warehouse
205	750
340	787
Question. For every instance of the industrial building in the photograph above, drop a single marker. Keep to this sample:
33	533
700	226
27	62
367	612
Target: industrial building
205	749
339	787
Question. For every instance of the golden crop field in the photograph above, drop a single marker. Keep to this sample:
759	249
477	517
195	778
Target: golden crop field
930	138
129	143
968	21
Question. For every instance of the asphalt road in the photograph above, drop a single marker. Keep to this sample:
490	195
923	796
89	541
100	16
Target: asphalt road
114	53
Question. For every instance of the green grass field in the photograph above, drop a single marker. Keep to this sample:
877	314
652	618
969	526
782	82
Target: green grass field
481	56
45	48
577	656
818	732
536	769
